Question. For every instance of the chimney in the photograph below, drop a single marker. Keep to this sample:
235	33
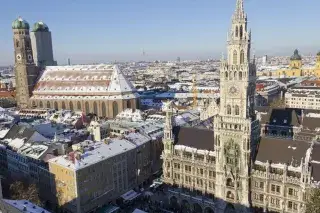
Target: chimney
24	208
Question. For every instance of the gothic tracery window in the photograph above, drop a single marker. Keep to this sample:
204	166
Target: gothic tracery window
237	31
242	57
237	111
229	110
17	43
240	75
241	32
235	56
226	74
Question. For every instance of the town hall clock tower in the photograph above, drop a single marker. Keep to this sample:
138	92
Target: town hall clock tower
236	129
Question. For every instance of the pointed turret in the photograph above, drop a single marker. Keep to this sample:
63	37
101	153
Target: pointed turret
239	11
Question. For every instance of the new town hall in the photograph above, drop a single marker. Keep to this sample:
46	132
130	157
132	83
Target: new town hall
241	164
99	89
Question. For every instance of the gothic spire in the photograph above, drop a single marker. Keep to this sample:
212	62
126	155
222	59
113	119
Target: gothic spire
239	11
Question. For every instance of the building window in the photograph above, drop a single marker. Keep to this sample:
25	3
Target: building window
261	197
241	57
235	57
241	32
17	43
290	205
176	165
237	111
229	110
187	168
237	31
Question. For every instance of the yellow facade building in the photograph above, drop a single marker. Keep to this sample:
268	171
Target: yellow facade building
296	68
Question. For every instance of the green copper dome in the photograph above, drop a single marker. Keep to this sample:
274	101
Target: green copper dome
20	24
40	27
295	55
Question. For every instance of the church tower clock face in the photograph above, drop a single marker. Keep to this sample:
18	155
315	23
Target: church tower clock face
19	57
233	90
29	57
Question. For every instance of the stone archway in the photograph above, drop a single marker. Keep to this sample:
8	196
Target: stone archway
78	105
63	105
95	108
55	105
87	108
115	109
71	105
185	206
104	109
174	203
197	208
229	208
129	104
208	210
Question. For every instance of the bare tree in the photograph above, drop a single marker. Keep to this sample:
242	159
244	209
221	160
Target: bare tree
23	191
313	204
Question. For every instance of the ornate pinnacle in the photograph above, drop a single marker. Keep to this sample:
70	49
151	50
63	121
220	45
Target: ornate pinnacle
239	12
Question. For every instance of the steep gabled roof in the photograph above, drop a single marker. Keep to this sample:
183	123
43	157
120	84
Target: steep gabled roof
278	150
119	83
198	138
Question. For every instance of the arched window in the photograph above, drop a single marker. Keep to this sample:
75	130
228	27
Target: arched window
71	105
87	107
63	105
115	108
226	74
33	104
235	57
237	111
229	110
230	195
237	31
230	182
78	105
104	109
240	75
48	104
17	43
129	104
95	108
242	57
55	105
241	32
235	75
40	104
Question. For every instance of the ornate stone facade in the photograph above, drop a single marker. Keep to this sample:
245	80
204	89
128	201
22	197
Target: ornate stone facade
232	168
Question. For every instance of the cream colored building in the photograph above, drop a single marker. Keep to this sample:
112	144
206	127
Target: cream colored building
233	168
303	97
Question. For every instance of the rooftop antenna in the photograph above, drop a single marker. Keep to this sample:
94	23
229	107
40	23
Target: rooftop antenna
143	52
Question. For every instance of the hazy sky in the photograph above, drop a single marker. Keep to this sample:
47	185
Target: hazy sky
106	30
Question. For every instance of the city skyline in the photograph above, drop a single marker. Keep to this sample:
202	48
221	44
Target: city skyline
164	30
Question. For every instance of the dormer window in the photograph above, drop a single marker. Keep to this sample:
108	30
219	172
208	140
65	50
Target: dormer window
285	121
274	120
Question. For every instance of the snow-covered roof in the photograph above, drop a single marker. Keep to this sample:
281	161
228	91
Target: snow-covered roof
81	80
95	153
25	206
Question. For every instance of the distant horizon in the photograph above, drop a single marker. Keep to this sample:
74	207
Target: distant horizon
121	30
